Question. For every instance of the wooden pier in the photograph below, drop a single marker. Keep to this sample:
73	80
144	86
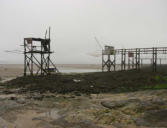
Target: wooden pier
131	58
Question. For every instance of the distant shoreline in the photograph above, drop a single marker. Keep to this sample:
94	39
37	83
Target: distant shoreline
80	66
8	71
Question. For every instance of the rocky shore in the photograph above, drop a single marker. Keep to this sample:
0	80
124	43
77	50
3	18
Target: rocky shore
142	109
127	99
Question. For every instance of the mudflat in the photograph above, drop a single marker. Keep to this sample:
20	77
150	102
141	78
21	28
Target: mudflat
10	71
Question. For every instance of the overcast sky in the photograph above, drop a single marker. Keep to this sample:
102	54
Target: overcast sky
75	23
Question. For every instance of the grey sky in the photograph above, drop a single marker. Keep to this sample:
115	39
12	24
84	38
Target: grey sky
74	23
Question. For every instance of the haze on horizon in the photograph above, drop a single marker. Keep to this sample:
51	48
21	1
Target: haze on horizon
75	23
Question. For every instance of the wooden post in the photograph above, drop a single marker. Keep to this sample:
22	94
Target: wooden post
48	63
128	62
41	58
114	60
154	54
133	62
139	60
136	59
25	59
102	62
155	70
122	60
31	59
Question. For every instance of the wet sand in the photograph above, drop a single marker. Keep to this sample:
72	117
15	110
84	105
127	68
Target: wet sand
10	71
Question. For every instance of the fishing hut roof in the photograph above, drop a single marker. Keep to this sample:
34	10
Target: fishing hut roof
35	39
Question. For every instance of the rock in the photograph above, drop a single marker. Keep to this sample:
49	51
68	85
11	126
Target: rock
21	101
3	123
152	119
13	98
21	90
118	125
133	100
8	105
121	103
70	96
8	92
113	104
76	80
156	118
37	96
38	118
2	87
76	93
81	124
140	122
49	96
159	102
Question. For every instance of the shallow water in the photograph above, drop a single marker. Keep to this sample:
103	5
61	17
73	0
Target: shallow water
77	70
